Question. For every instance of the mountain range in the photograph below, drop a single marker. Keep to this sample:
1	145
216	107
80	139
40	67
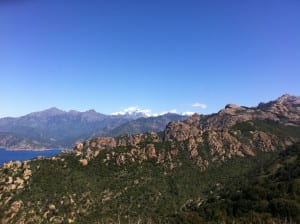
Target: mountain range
55	128
240	165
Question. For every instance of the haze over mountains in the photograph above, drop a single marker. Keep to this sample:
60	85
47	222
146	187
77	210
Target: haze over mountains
55	128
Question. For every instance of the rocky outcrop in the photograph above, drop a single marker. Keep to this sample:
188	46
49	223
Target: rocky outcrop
182	130
207	138
231	106
284	110
91	148
15	180
150	150
125	140
139	149
224	141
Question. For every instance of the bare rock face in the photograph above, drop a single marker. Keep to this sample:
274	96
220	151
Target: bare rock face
107	142
285	110
134	140
84	162
94	147
51	207
231	106
91	148
224	144
96	144
78	146
150	150
182	130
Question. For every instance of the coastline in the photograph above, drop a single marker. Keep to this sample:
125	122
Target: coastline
30	150
33	150
22	155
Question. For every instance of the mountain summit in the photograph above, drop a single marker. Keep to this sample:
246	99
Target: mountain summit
53	111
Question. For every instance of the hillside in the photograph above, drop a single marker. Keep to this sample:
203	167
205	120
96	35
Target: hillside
10	140
199	171
270	194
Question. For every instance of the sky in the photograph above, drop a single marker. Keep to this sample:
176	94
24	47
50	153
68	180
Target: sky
151	55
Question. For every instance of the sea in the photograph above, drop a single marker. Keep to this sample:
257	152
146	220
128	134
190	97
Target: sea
21	155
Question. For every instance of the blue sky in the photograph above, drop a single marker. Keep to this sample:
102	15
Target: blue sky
158	55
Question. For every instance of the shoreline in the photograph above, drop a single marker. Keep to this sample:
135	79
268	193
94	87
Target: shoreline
22	155
33	150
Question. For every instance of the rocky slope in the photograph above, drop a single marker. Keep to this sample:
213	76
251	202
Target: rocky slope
233	131
285	110
149	177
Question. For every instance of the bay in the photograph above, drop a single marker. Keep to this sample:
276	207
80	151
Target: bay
21	155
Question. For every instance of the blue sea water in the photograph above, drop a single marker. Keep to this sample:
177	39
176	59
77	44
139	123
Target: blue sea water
6	155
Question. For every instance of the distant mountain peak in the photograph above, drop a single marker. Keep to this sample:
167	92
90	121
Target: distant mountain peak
281	103
48	112
286	98
54	110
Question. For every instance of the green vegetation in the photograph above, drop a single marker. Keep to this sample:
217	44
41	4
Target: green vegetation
101	193
271	195
267	126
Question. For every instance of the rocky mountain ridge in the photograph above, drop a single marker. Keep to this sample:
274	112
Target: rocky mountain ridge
233	131
55	128
285	110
